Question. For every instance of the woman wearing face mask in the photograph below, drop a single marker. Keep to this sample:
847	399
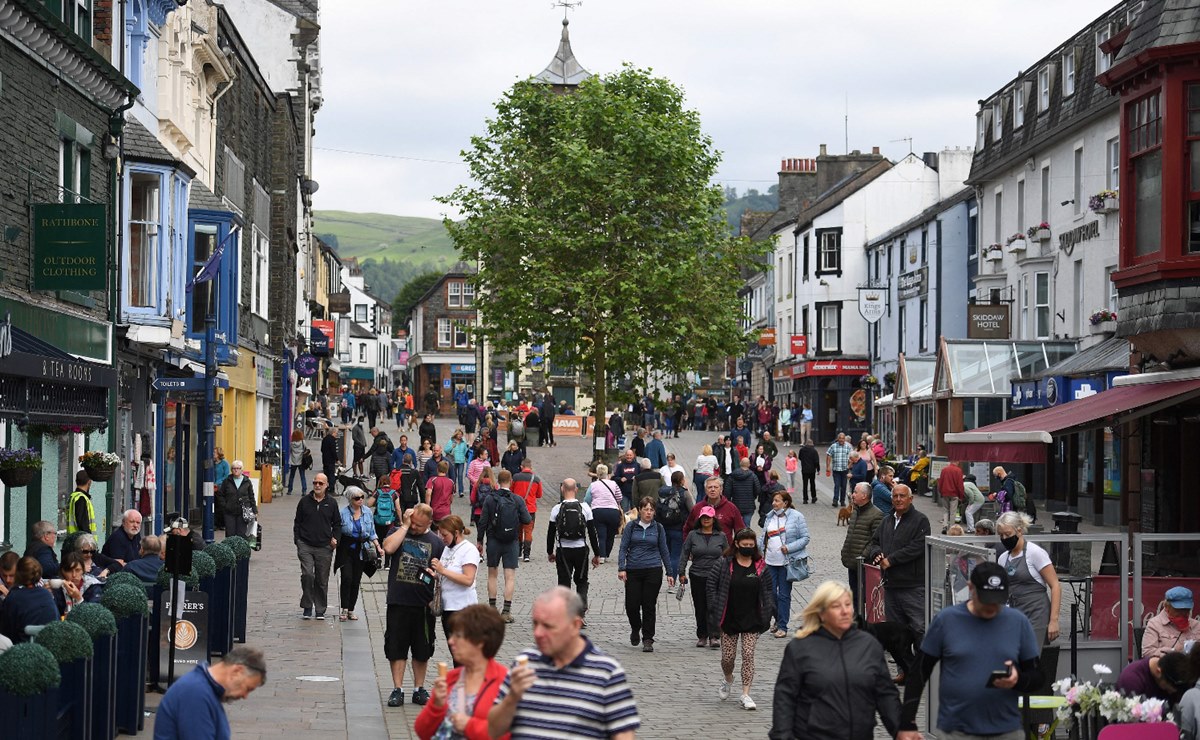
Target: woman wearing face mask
740	604
784	538
237	497
1029	573
457	568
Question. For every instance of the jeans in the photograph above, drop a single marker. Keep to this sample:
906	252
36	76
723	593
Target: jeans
607	523
459	474
572	565
808	482
292	470
781	589
700	605
839	487
747	517
314	576
641	599
674	546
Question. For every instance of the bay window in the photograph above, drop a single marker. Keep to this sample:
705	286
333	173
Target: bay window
1041	307
1144	126
145	223
1193	176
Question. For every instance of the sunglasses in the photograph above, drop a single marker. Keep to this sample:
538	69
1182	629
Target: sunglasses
87	552
356	498
319	483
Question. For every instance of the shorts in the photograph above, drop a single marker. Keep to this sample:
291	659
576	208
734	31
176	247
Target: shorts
409	629
509	551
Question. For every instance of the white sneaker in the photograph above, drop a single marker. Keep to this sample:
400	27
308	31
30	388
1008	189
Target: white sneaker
723	692
748	703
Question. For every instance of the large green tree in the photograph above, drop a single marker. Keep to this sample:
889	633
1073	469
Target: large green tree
599	232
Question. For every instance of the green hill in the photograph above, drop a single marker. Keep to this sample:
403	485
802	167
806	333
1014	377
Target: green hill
391	249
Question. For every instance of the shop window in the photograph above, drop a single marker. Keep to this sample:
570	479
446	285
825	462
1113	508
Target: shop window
829	248
444	332
1143	140
829	327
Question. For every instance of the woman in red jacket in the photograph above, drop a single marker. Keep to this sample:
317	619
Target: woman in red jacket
461	698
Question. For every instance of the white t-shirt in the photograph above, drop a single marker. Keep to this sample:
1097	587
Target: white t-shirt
587	517
1035	559
776	529
667	471
454	596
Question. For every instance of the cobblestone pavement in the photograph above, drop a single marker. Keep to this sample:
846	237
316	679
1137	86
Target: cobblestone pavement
676	686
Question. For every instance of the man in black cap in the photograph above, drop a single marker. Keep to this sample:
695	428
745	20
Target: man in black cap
989	656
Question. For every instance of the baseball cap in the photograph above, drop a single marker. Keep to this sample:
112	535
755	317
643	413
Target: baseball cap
1179	597
991	583
175	520
708	511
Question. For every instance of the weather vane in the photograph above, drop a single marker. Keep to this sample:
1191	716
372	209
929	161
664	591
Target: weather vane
566	5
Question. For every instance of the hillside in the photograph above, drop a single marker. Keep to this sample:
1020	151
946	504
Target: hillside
391	249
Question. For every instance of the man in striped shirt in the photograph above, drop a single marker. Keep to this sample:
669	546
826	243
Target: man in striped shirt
566	688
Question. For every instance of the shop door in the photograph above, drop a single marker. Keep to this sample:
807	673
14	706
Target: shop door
826	418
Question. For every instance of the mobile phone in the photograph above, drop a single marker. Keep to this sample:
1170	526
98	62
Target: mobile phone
998	675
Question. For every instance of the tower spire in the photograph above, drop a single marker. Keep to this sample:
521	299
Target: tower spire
564	70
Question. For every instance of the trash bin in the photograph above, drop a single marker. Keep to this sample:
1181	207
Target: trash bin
1065	522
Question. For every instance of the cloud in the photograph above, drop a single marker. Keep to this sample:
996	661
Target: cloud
770	78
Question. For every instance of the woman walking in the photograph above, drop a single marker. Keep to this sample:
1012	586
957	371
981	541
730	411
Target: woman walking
483	487
462	698
867	454
833	678
740	604
604	497
784	540
457	451
478	464
457	568
791	466
641	560
760	464
1030	572
296	462
237	497
706	466
704	546
357	543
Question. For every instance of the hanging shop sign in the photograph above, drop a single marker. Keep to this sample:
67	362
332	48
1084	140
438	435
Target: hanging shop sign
326	328
799	344
767	337
306	366
912	284
988	321
872	304
70	246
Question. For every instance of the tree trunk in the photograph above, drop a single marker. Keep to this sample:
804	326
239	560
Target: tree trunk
600	381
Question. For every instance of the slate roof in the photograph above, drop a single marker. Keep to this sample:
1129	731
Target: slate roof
141	146
1065	114
202	198
1162	23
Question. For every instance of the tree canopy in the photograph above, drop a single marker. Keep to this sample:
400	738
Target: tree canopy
406	299
599	232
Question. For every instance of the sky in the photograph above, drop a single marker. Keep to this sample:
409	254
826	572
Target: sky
406	83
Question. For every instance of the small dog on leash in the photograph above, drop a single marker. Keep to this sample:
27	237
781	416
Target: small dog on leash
844	515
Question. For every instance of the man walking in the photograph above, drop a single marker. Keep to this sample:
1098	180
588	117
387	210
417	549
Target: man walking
315	531
806	420
974	642
194	705
656	451
624	473
527	486
863	524
504	514
410	623
810	465
726	516
898	548
81	516
329	453
571	528
951	489
743	489
566	687
837	463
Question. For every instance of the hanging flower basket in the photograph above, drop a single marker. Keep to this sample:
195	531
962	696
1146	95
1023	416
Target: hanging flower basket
19	467
100	466
100	474
17	477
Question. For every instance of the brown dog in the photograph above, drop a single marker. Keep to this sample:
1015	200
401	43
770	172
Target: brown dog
844	514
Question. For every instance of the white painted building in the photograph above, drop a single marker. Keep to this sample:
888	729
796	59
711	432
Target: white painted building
365	334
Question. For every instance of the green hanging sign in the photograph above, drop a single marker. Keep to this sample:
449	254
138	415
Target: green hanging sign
70	243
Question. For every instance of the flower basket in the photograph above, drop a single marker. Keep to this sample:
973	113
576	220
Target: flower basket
17	477
994	253
1018	245
100	466
100	474
1104	327
1041	235
1104	202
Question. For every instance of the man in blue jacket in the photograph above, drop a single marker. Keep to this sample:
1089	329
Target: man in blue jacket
192	707
656	451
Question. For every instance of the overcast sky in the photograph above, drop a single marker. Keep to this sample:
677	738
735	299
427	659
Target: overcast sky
408	82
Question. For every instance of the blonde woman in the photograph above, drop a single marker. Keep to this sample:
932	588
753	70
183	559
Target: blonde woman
833	677
706	465
1030	574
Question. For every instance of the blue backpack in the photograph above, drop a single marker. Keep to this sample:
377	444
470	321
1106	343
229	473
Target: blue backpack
385	508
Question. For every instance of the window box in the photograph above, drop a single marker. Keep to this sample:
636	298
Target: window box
1104	202
1041	235
1018	245
1104	327
994	253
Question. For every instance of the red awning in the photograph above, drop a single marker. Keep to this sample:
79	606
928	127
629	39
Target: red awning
1024	438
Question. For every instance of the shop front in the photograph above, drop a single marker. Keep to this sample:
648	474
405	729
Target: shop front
912	408
837	394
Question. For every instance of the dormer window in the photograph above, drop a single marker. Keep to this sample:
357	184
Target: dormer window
1044	89
997	120
1103	58
980	130
1018	107
1068	63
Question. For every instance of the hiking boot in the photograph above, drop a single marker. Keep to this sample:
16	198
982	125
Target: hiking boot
420	696
396	698
507	616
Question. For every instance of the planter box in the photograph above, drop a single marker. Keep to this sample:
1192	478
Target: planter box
1017	245
994	255
1110	205
75	705
30	717
1042	235
104	688
241	596
1104	327
220	612
132	635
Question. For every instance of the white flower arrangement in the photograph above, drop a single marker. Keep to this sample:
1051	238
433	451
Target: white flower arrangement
1084	698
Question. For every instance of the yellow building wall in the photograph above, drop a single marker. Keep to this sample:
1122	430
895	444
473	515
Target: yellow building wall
236	435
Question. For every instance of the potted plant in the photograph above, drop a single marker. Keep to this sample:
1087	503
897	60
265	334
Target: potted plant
1016	242
890	379
1040	232
1104	201
19	467
101	626
868	381
29	679
994	252
1103	320
100	465
72	647
129	607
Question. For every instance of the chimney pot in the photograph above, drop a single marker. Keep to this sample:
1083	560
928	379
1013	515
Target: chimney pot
823	151
874	150
783	165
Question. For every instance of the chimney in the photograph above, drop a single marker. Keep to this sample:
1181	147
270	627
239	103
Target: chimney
874	150
797	184
824	153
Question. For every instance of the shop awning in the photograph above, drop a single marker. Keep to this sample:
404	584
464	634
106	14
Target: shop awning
42	384
358	373
1024	438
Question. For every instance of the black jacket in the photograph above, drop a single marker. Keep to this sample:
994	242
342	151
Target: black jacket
719	452
742	488
904	547
233	499
317	522
810	459
381	455
717	590
427	431
831	688
329	452
45	555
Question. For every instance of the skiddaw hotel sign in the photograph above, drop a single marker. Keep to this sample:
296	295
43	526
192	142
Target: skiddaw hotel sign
70	243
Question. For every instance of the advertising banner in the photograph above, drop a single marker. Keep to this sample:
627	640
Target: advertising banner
191	633
572	425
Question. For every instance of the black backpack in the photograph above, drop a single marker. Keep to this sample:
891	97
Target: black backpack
570	523
409	493
669	512
506	519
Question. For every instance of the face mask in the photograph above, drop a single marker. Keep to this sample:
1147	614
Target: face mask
1010	542
747	551
1181	622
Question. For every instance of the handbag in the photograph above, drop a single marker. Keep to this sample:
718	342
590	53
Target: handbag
435	605
797	569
